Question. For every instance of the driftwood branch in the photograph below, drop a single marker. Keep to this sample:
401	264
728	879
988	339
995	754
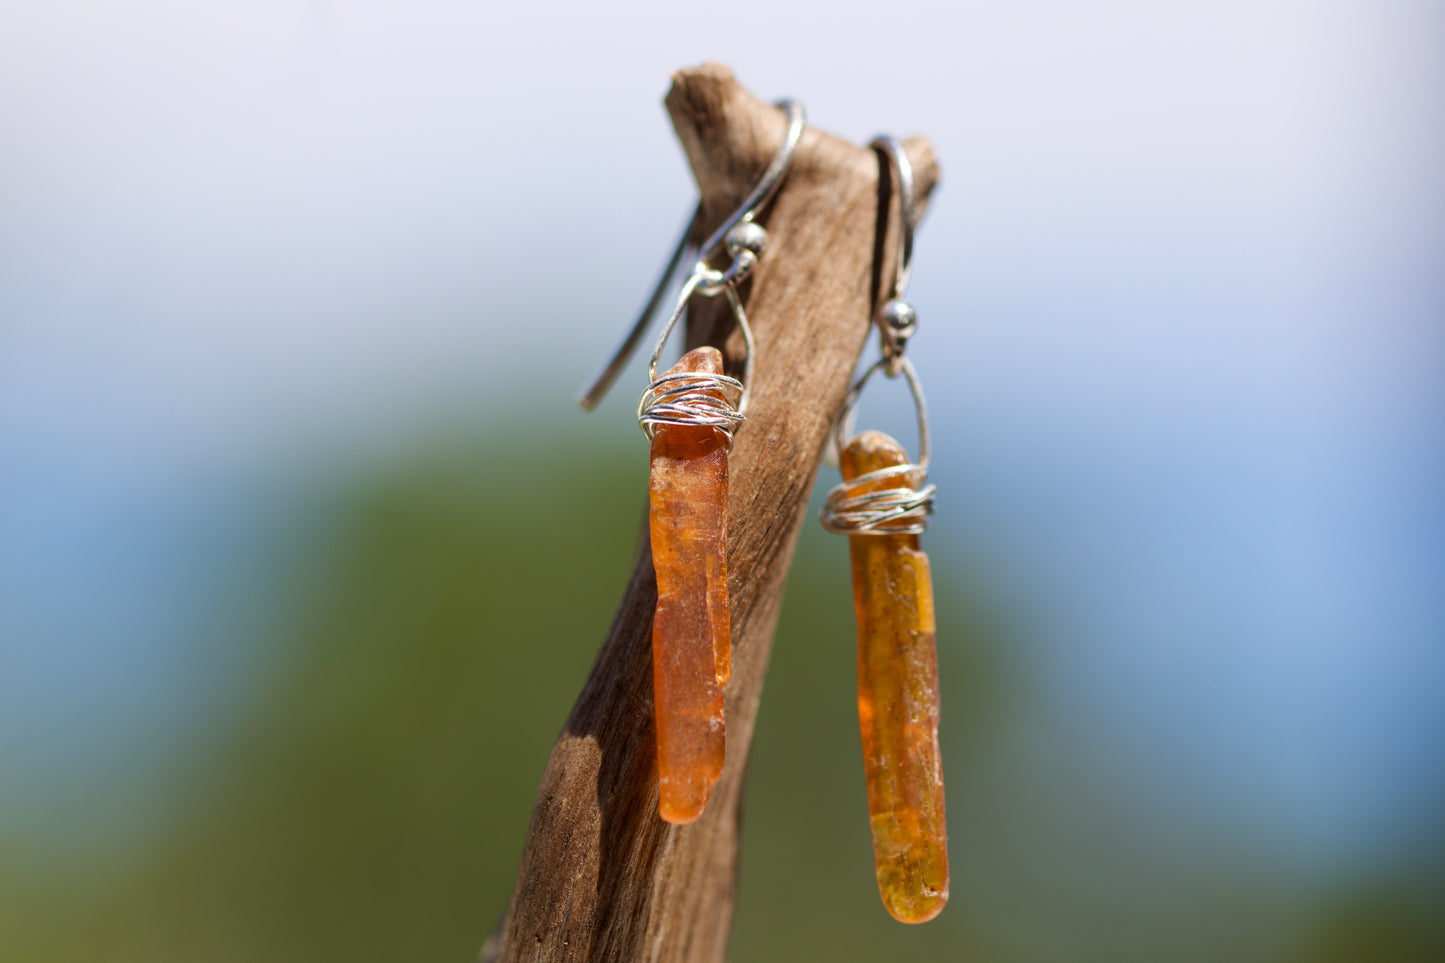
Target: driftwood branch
602	877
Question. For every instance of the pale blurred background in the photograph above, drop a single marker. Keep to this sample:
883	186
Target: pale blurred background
305	552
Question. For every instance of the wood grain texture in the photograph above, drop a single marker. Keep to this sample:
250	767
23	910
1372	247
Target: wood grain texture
602	878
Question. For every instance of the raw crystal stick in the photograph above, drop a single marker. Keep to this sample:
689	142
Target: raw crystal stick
898	701
690	640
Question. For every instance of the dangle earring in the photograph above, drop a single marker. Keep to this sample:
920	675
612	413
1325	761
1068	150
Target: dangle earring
882	506
689	415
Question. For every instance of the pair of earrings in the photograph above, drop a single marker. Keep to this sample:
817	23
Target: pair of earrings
689	415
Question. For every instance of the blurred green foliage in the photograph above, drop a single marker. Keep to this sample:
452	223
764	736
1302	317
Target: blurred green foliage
370	804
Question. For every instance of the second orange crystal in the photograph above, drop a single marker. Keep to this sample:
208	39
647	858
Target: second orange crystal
898	701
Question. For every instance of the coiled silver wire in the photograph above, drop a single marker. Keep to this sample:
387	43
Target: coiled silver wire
904	507
892	511
690	398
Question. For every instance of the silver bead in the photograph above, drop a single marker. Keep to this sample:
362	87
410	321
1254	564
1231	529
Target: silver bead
898	318
746	236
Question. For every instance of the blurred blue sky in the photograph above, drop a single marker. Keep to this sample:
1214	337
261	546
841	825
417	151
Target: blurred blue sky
1180	294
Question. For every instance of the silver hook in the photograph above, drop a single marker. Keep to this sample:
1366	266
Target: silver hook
602	381
745	241
896	318
768	185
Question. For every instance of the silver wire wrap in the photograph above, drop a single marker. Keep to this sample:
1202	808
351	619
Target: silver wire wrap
686	398
900	510
879	513
744	240
697	398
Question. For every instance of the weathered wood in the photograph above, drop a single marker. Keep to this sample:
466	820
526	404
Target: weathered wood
602	878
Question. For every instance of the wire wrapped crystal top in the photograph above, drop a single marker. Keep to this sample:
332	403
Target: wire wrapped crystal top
861	506
696	398
901	510
686	398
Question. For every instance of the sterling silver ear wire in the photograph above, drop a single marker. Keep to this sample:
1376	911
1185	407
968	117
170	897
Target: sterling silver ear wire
879	512
681	398
896	319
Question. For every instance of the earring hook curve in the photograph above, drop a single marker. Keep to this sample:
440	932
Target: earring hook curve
702	279
896	318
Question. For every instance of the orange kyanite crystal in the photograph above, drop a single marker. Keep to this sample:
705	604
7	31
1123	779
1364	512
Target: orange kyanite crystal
898	702
690	640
